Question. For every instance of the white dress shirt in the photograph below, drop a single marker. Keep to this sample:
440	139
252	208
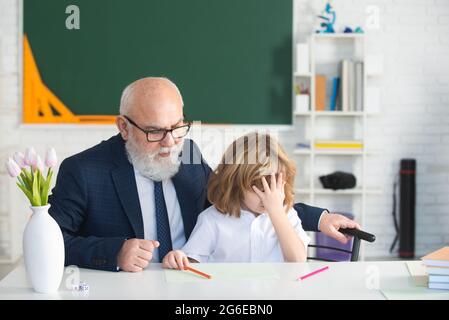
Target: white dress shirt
223	238
145	189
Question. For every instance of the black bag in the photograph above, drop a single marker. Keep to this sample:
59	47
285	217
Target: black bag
338	180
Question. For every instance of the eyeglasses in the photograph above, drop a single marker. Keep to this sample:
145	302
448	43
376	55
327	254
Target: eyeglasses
156	135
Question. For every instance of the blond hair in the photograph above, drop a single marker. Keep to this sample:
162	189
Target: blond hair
243	164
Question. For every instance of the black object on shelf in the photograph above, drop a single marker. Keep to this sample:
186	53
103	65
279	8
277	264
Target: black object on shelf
338	180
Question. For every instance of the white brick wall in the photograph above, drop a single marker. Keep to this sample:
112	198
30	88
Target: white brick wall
414	38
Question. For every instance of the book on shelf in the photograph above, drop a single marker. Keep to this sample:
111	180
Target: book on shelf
303	145
359	67
351	88
334	95
338	144
344	88
320	92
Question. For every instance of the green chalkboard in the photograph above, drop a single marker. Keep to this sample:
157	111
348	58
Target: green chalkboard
231	59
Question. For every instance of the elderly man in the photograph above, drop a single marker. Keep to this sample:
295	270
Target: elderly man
129	200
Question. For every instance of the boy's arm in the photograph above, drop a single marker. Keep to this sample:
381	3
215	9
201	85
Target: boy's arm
292	246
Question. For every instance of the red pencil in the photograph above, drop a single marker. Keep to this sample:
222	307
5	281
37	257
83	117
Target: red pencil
198	272
313	273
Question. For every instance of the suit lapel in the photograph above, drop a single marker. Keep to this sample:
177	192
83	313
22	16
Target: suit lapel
183	186
126	187
185	202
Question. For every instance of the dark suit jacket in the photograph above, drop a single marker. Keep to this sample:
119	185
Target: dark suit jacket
96	204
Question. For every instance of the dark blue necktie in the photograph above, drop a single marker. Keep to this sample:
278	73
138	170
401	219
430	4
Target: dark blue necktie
162	223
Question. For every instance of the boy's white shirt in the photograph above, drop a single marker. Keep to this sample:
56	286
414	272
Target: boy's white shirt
219	237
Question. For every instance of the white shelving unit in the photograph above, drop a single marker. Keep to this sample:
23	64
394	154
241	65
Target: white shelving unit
326	52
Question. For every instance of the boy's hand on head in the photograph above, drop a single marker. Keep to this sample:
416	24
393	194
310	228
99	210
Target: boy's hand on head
175	259
273	195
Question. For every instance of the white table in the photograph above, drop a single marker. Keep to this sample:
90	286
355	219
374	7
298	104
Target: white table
343	280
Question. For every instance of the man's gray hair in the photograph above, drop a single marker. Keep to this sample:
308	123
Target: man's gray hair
129	91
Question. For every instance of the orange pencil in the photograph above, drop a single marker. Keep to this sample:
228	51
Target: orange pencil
198	272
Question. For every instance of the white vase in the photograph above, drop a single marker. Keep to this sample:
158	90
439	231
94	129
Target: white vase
43	251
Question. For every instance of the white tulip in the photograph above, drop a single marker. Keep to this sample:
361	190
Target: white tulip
19	158
50	158
13	168
31	157
39	164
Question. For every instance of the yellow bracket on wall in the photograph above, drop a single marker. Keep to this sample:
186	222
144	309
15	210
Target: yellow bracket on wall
41	105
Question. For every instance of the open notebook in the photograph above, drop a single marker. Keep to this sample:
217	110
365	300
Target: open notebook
224	272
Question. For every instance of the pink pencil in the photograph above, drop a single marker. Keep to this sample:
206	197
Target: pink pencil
313	273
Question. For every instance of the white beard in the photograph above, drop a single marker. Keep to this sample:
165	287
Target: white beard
146	163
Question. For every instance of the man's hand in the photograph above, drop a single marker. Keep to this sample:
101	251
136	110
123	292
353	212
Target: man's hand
331	222
135	254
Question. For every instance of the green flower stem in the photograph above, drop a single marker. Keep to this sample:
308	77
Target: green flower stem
35	185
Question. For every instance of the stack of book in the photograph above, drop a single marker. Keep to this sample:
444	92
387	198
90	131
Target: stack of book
351	89
346	90
351	145
437	267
